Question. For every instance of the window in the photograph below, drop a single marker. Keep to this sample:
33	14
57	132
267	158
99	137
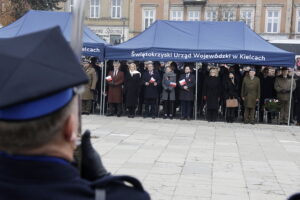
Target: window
176	15
228	15
272	20
71	5
298	21
193	15
148	17
247	15
116	9
95	9
211	15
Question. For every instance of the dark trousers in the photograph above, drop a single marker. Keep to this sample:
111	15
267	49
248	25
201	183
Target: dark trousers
150	107
115	108
284	111
186	108
131	110
249	115
212	115
298	113
231	114
86	106
169	107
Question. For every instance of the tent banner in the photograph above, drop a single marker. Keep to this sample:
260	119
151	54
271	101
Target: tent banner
95	50
241	57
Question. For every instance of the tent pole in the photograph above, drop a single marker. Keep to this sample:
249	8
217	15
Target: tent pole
196	92
104	87
101	89
291	96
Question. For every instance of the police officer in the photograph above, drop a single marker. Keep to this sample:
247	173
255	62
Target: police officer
39	126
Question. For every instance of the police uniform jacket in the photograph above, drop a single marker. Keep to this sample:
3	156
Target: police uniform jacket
48	178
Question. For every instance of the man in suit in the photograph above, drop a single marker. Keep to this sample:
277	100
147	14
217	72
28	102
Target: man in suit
152	81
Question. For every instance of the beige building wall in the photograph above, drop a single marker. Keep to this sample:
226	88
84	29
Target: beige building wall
289	10
113	30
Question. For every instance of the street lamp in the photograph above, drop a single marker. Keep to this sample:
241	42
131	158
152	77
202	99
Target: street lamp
123	31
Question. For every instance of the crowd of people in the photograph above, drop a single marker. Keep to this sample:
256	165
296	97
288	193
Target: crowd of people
168	89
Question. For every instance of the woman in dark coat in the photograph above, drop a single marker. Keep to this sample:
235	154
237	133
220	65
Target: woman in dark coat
133	83
231	92
211	94
168	92
187	83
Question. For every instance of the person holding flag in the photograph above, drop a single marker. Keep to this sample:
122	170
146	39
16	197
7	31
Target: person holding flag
186	93
151	80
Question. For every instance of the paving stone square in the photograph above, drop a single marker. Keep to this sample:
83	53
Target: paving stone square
187	160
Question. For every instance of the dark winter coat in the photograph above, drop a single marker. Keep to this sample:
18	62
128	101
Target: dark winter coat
115	94
212	90
231	89
267	87
133	83
187	95
151	91
168	92
297	90
48	178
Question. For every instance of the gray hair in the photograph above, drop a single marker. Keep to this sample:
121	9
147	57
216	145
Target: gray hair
17	136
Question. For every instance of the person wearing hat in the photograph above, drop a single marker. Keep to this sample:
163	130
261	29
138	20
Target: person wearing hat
115	93
250	94
283	87
39	123
90	89
151	81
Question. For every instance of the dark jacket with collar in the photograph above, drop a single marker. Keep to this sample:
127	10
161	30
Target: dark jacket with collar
187	95
151	91
22	179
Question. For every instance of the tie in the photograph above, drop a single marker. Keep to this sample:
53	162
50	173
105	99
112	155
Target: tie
115	73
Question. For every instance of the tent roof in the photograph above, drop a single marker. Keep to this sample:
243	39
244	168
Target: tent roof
35	20
217	42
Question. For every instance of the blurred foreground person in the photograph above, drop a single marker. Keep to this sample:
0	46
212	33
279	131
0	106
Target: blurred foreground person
133	83
168	93
250	94
283	87
187	83
115	81
39	126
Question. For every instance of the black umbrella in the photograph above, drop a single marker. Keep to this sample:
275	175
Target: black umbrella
37	65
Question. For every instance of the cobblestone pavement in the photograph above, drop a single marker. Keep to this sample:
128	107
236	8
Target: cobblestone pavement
181	160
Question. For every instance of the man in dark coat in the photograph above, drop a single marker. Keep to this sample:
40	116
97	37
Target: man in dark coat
212	93
152	81
187	83
115	81
267	91
98	70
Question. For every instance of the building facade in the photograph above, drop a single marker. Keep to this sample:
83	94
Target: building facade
107	18
272	19
118	20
